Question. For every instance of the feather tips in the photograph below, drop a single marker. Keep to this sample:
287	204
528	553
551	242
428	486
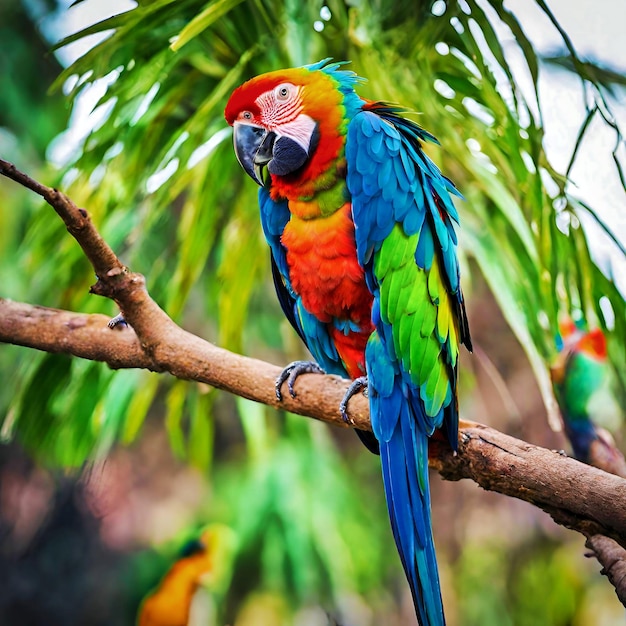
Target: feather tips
397	418
403	215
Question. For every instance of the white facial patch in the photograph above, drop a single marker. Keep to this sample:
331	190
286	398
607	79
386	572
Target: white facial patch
299	130
285	117
276	112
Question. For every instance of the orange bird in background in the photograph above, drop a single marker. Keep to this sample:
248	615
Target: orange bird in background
170	603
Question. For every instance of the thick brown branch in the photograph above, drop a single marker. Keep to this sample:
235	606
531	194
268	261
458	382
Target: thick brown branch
612	556
85	336
576	495
180	353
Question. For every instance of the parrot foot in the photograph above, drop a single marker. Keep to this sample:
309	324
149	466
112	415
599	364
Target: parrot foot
291	372
116	321
357	385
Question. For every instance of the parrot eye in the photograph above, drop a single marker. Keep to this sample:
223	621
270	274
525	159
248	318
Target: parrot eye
246	115
283	92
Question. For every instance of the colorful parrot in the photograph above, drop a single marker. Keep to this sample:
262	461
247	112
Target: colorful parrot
579	373
360	224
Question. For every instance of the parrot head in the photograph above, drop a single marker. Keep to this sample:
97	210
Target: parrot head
573	342
292	123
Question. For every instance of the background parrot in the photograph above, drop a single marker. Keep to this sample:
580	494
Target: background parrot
363	248
170	603
579	376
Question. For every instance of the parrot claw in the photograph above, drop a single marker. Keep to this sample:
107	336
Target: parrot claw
357	385
116	321
291	372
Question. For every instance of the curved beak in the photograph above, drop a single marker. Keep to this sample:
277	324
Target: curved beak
254	149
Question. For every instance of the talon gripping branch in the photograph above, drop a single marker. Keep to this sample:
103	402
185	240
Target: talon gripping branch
360	223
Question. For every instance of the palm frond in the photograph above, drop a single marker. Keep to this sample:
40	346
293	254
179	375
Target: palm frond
158	163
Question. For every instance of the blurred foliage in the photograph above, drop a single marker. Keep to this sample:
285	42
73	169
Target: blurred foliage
27	62
299	519
153	169
159	178
30	118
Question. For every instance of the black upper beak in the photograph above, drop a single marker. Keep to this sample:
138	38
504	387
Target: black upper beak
254	149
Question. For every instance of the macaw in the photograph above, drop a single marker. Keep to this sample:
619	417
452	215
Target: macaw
360	225
170	603
579	372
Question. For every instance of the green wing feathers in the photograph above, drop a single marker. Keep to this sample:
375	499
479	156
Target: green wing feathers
421	313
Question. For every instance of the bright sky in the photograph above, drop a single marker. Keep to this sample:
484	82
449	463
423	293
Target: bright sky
596	29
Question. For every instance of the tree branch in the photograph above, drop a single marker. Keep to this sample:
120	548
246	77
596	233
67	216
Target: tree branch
81	335
576	495
178	352
612	556
565	488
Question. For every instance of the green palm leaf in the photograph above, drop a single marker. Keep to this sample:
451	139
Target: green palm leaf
170	67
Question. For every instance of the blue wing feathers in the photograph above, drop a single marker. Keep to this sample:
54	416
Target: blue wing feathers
383	174
425	249
376	148
408	164
407	188
370	185
364	163
401	174
286	299
274	218
390	188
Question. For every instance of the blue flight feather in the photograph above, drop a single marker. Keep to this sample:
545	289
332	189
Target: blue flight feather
391	182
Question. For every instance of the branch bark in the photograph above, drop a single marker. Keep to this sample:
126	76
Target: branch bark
576	495
177	352
613	559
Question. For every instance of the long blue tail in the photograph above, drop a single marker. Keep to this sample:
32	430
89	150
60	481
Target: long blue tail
405	465
402	429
